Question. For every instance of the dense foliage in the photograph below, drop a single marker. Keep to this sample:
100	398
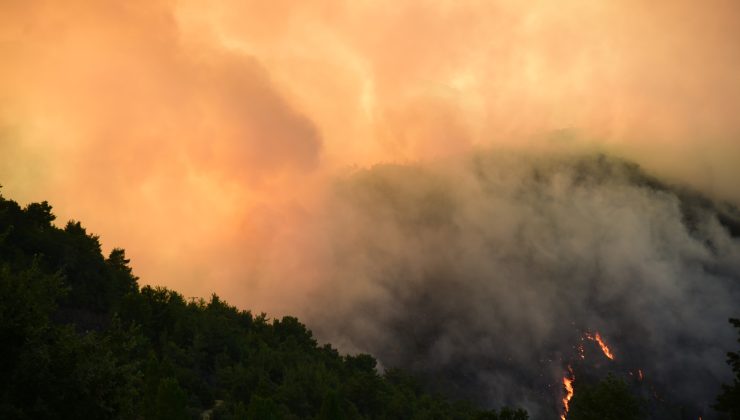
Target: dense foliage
609	399
729	400
80	339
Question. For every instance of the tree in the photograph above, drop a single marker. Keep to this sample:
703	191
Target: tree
262	409
40	213
171	401
729	400
80	339
330	407
512	414
610	399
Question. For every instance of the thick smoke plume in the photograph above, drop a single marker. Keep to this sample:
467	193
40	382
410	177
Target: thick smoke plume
483	274
205	132
206	138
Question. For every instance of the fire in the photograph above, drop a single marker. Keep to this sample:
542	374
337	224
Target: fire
639	373
569	377
604	348
568	385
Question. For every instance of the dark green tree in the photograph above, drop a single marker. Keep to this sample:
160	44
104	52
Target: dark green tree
263	409
331	407
170	402
80	339
610	399
512	414
729	400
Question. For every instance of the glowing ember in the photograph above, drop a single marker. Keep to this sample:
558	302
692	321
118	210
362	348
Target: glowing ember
568	385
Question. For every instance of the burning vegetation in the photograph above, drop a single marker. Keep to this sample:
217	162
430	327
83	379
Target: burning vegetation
474	274
569	377
568	386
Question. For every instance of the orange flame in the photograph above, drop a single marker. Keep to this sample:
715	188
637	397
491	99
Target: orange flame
639	373
604	348
570	376
568	385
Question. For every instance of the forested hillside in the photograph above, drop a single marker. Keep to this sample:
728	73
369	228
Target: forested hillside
81	339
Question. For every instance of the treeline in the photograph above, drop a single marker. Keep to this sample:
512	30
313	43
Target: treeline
81	340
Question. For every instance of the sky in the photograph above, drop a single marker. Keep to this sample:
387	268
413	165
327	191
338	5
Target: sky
204	137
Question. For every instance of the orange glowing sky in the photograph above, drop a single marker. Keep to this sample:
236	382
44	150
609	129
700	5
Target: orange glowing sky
199	135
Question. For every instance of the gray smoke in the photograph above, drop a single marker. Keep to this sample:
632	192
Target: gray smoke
482	274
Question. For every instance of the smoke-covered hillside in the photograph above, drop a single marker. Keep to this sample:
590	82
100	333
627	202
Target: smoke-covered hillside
483	274
80	340
506	279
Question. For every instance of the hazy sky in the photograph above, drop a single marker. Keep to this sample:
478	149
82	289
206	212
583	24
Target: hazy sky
201	136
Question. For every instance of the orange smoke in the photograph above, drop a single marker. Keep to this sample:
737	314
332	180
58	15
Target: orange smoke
200	132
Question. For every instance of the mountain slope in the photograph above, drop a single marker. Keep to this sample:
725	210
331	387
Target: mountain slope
82	340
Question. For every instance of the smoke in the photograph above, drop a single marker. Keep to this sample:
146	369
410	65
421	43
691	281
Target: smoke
207	132
482	274
222	144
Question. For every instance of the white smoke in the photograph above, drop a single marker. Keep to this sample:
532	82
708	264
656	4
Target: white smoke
481	274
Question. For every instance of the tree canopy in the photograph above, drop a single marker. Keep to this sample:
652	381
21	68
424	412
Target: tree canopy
729	400
609	399
82	339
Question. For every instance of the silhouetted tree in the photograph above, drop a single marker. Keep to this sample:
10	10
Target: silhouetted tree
610	399
80	339
729	400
